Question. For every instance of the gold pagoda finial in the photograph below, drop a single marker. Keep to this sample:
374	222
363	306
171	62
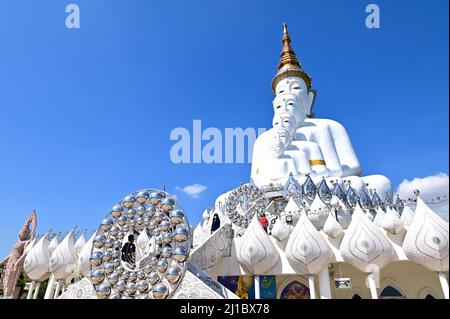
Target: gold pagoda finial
289	64
287	53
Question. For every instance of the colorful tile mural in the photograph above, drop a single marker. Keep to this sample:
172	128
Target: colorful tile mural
242	286
268	287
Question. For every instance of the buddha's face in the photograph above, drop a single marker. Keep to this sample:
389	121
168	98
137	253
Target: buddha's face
287	103
284	136
284	121
277	147
293	92
293	85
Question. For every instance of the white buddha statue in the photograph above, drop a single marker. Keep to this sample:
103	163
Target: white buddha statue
278	159
319	147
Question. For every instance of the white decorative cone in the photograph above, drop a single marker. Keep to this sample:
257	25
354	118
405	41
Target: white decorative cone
83	259
63	261
364	246
53	244
407	216
379	216
256	253
391	222
332	228
81	241
306	250
36	263
29	246
426	241
318	212
280	230
343	214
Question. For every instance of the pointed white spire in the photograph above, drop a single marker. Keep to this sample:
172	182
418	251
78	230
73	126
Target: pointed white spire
332	228
318	212
379	216
426	241
344	216
255	251
29	246
391	222
84	266
280	230
407	216
81	241
63	260
53	244
37	260
292	207
306	250
364	245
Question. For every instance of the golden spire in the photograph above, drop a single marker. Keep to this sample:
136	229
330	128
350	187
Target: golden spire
289	65
287	54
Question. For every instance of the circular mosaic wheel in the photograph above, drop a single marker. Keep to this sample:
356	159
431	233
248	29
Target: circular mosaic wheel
242	204
141	248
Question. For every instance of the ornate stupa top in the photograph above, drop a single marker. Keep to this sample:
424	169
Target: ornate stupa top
289	64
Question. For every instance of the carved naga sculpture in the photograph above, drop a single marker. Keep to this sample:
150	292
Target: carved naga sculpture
14	261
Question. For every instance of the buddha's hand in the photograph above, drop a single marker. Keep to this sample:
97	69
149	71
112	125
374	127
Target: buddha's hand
335	145
310	158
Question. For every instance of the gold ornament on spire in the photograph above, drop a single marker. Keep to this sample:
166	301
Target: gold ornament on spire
289	65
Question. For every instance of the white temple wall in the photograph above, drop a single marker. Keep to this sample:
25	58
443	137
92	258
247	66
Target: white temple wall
408	277
412	279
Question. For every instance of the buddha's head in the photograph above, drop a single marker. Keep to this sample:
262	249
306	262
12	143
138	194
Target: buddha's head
292	82
277	146
288	112
294	91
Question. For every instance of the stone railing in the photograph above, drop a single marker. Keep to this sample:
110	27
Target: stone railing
197	284
218	245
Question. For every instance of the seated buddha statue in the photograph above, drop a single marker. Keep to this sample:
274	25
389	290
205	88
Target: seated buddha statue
318	147
278	159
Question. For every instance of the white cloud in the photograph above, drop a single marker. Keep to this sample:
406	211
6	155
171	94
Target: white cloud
193	190
434	187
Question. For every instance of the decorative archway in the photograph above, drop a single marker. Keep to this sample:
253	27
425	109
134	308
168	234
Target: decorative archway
428	293
389	289
294	287
358	292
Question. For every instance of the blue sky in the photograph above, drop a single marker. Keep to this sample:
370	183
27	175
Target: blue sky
86	114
